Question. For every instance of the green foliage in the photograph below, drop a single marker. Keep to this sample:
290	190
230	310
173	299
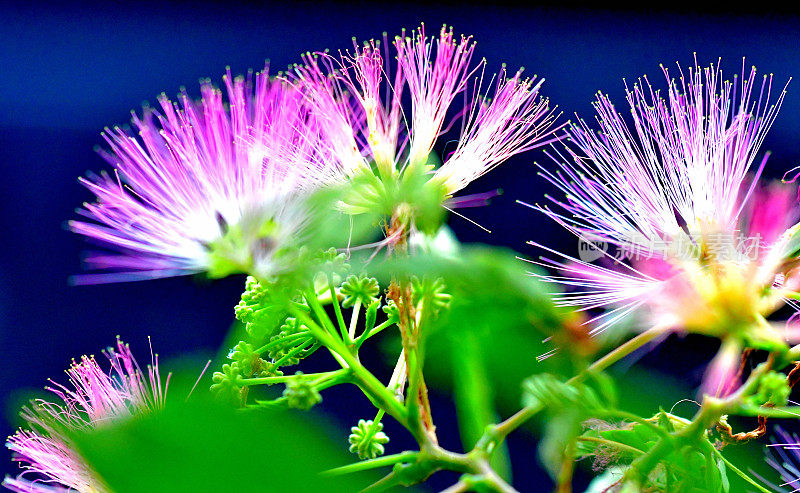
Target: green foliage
568	406
203	446
332	222
333	263
412	198
683	465
367	439
474	397
548	391
493	299
490	291
391	311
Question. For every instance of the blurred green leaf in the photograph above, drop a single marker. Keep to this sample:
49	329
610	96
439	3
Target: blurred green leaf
494	298
203	446
474	399
329	227
548	391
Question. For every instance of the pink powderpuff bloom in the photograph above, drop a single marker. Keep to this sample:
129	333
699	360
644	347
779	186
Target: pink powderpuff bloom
201	189
357	99
686	242
92	399
784	457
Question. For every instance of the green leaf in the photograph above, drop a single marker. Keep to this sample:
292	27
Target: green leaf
493	297
561	429
474	399
548	391
202	446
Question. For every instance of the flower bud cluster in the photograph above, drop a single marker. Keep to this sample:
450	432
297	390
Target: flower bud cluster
367	439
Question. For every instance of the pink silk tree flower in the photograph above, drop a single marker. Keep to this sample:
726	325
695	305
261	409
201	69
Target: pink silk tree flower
684	241
784	457
201	189
92	399
357	101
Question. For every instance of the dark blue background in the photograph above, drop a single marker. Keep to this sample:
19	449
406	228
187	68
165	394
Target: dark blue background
67	71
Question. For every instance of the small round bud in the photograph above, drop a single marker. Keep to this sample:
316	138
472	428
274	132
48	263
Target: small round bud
367	439
227	384
301	394
360	288
773	389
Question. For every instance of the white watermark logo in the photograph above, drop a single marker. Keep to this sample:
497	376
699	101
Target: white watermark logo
590	250
720	246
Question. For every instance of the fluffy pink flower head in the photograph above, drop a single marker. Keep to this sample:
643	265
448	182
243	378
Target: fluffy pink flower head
93	398
357	98
201	189
686	242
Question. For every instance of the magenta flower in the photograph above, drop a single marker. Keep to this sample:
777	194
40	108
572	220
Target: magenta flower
784	457
358	104
684	241
200	189
93	399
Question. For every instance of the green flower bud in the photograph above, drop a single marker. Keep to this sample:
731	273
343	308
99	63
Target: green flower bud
227	384
335	262
291	326
391	311
301	394
367	439
253	296
371	315
250	362
258	310
772	389
362	288
432	290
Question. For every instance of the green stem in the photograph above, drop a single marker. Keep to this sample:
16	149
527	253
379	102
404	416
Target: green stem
278	342
412	397
319	311
354	320
376	423
375	390
619	414
294	352
620	352
788	412
612	443
323	336
336	308
366	465
366	335
710	411
287	378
